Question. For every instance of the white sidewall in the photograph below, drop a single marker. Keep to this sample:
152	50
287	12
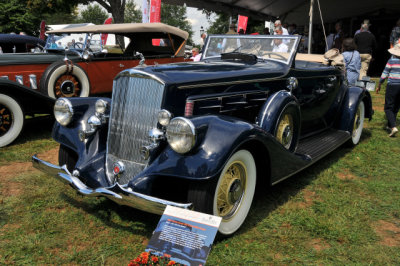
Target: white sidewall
18	120
234	223
76	71
356	138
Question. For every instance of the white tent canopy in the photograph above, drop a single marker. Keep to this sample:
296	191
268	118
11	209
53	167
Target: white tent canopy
293	11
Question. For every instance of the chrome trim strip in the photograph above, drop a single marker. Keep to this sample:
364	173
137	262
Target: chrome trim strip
19	79
242	81
138	73
120	194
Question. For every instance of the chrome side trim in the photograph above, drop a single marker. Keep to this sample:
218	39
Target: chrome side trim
120	194
32	81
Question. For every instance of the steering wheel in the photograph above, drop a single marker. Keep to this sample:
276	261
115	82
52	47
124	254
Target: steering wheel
78	45
275	54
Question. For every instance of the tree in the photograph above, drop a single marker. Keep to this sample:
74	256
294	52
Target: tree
220	25
25	15
132	15
115	7
92	14
174	15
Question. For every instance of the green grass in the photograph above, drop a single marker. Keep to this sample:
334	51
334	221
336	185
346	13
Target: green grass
343	210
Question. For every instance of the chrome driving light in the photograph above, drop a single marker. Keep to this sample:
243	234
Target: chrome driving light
181	134
164	117
101	106
63	111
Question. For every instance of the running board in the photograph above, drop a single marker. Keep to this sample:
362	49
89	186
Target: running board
317	146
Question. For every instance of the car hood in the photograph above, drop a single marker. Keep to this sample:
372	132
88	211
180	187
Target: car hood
33	58
206	72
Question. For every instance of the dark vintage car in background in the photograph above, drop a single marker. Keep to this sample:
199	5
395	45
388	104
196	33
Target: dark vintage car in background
78	62
14	43
203	135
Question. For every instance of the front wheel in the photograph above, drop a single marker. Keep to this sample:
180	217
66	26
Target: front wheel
358	124
230	196
11	119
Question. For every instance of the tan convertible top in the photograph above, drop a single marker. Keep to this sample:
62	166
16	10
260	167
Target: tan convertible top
124	28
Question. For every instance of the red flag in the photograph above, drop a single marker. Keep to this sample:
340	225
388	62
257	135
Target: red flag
42	29
155	16
242	23
104	36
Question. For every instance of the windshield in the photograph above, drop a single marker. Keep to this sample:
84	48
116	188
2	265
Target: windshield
72	41
274	47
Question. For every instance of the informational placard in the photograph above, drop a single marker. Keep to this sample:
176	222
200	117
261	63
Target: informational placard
185	235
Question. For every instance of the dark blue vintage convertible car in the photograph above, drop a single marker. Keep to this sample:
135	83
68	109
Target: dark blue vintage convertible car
203	135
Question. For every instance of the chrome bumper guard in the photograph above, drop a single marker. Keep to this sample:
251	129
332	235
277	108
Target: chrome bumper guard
120	194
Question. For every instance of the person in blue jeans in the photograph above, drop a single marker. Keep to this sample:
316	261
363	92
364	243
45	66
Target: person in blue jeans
352	60
392	96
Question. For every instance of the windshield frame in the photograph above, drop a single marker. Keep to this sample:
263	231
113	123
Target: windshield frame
288	62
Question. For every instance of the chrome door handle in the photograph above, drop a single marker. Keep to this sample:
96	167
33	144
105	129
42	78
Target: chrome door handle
121	65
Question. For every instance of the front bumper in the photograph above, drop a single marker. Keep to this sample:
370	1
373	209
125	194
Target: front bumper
122	195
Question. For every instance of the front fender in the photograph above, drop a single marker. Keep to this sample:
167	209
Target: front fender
91	152
349	107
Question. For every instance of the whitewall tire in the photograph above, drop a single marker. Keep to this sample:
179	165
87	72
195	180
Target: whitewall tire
358	123
60	81
11	119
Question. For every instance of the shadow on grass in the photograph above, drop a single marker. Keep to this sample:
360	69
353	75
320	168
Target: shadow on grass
104	209
35	129
264	203
272	197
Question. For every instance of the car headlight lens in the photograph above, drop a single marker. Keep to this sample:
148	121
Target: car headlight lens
164	117
101	106
181	134
63	111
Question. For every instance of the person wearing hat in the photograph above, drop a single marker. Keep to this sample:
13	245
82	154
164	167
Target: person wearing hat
392	96
232	30
365	22
366	44
395	35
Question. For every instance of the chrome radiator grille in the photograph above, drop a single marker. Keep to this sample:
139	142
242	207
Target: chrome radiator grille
136	100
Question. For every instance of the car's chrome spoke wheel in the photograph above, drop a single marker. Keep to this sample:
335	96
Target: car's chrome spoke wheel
285	131
229	195
234	191
6	119
11	119
67	86
358	123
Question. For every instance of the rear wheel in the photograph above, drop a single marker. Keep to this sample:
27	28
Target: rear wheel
288	128
67	157
230	196
11	119
358	124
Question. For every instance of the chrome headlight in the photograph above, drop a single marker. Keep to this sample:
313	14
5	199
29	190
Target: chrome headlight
63	111
101	106
181	134
164	117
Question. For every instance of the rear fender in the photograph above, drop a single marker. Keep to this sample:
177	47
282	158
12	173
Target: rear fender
349	108
31	100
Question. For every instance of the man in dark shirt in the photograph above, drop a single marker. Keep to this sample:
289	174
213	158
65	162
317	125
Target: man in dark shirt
366	44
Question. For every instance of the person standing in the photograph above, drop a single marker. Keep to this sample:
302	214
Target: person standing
339	36
392	96
366	44
395	35
352	60
278	24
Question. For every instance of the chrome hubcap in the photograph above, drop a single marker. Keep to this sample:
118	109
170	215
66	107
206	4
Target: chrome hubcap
285	131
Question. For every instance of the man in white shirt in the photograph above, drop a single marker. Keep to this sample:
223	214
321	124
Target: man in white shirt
278	24
279	44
